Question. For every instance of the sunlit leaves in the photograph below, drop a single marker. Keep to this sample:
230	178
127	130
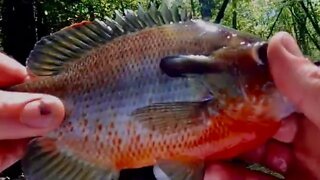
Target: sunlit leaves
260	17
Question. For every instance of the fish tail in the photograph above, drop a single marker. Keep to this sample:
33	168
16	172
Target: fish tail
44	160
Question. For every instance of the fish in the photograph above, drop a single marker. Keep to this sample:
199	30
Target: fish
152	87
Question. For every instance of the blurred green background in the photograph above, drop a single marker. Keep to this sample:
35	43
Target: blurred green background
23	22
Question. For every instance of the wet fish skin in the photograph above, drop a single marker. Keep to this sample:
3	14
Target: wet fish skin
124	111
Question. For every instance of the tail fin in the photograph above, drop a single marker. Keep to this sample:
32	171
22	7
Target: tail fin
44	160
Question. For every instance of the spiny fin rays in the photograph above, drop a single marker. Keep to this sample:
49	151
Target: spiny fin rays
52	54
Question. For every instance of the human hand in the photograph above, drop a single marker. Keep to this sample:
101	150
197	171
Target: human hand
22	115
295	149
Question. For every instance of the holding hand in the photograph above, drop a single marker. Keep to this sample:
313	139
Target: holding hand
22	115
296	150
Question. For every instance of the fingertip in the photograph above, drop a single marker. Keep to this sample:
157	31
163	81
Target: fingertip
287	130
283	54
255	156
278	158
12	72
295	76
216	172
282	44
45	113
285	41
28	114
274	155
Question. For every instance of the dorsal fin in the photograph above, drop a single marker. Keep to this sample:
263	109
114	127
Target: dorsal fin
53	52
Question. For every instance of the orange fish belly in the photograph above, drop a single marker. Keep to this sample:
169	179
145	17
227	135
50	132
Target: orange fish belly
224	138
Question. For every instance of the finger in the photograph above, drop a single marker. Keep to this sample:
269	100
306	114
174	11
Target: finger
306	146
11	71
295	76
288	129
226	171
274	155
11	151
298	170
26	115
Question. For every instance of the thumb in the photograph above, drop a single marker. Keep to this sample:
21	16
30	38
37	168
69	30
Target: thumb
295	76
25	115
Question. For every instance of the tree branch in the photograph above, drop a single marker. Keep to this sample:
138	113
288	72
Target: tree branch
221	11
312	10
274	23
193	8
314	24
313	39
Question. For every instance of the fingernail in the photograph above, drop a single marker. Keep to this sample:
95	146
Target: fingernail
290	44
39	113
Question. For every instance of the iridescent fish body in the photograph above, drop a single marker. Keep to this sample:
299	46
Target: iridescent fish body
152	88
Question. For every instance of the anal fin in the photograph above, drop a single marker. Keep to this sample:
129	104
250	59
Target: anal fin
179	170
43	160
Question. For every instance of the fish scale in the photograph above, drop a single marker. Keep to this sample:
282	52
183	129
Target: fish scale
152	88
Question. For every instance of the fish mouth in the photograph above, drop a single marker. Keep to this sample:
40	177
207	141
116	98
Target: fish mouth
262	52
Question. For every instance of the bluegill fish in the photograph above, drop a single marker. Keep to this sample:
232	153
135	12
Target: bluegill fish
154	87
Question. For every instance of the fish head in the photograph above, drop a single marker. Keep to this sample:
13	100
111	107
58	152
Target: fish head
237	73
248	101
243	76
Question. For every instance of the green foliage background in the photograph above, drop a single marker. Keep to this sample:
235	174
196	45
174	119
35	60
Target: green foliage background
260	17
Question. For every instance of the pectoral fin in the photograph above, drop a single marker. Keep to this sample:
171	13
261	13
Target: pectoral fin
173	116
175	170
